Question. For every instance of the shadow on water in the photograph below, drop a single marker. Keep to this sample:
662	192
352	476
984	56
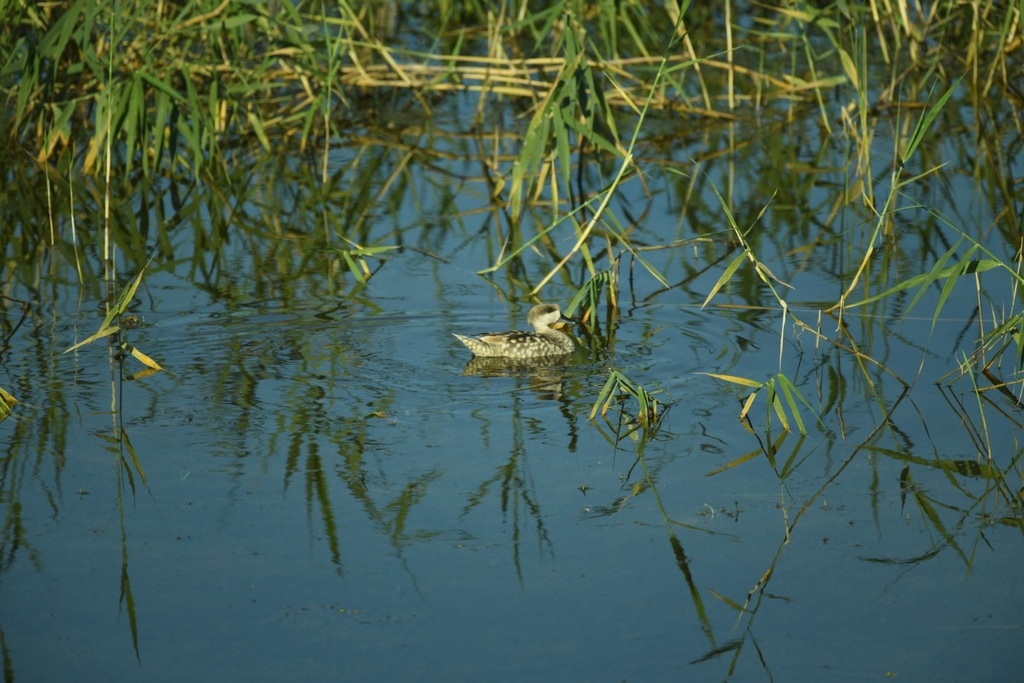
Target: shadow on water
239	440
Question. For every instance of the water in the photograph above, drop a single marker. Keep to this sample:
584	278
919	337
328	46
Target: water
315	488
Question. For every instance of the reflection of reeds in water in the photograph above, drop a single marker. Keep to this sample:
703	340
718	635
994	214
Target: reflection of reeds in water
544	374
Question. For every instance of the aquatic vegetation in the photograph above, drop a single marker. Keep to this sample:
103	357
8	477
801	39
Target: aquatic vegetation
649	410
7	402
116	321
746	204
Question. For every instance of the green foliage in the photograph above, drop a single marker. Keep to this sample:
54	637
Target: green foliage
781	398
585	304
112	324
648	409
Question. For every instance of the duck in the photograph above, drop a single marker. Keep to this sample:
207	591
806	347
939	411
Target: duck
543	342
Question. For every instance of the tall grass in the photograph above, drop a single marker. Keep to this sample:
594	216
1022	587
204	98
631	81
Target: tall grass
190	79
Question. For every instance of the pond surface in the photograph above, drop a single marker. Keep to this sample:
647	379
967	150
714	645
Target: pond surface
320	485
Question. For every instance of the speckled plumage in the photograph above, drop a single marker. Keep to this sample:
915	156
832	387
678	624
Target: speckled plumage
543	341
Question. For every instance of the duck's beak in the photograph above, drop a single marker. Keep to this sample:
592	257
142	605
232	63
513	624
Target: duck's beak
566	319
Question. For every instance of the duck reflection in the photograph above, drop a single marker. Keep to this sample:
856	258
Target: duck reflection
545	374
